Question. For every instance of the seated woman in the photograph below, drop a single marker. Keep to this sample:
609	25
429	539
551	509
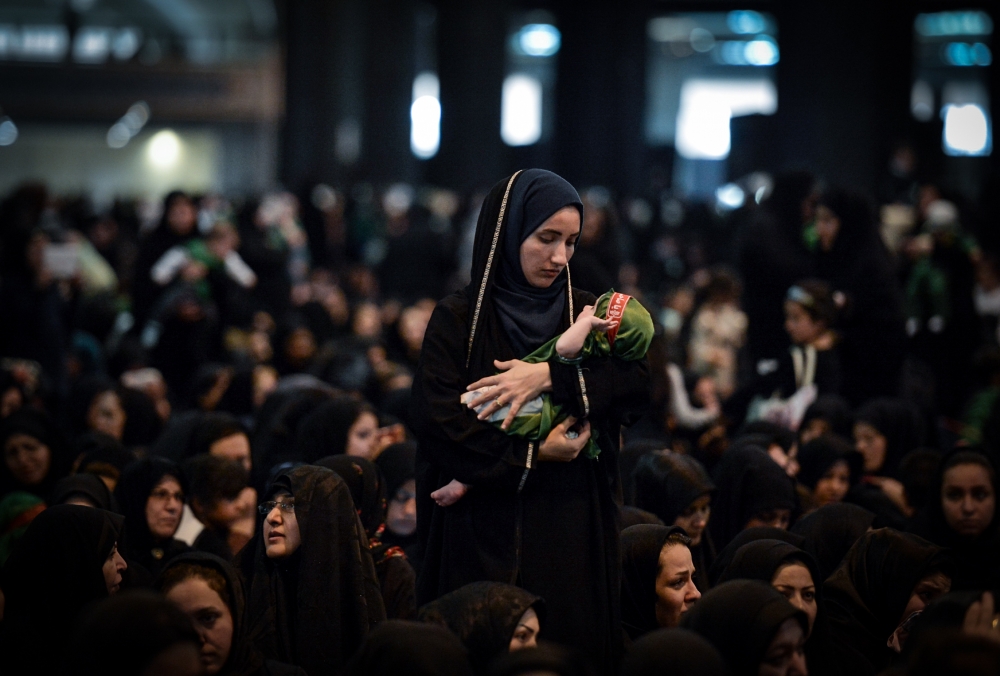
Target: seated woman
962	517
829	414
396	577
885	578
151	496
219	499
677	489
312	592
755	629
828	467
885	430
829	533
87	490
343	425
679	652
657	578
67	559
490	618
34	453
208	590
96	406
401	647
398	466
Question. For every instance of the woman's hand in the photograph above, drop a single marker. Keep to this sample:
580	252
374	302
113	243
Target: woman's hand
519	383
558	447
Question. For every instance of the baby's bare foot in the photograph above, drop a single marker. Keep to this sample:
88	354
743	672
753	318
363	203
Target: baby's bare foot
449	494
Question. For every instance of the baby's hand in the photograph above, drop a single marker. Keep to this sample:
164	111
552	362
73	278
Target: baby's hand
571	342
450	493
587	318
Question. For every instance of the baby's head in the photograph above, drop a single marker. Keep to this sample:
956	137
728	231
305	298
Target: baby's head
810	311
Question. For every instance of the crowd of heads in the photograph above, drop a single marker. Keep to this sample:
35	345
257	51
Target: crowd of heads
208	465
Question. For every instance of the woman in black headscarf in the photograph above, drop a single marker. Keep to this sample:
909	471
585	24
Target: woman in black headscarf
676	488
490	618
828	467
752	490
885	578
755	629
34	453
209	591
794	573
312	592
401	647
67	559
831	531
829	414
101	455
547	658
678	652
961	516
657	578
747	536
151	496
535	514
83	489
398	465
341	425
396	577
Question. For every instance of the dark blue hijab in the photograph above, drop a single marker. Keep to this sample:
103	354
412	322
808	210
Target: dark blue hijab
529	315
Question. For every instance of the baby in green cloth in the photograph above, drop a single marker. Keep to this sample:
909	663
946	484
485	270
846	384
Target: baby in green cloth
616	325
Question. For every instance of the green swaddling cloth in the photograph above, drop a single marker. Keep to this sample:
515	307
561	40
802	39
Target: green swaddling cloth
628	341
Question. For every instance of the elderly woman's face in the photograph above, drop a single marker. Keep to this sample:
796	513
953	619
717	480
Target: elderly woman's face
164	508
548	249
27	458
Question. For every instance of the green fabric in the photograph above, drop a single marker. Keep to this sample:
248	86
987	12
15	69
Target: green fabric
635	333
978	413
11	507
199	251
927	292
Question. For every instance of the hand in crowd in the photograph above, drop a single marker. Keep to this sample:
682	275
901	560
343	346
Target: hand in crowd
560	445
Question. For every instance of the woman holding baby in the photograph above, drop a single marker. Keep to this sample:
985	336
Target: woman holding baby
537	514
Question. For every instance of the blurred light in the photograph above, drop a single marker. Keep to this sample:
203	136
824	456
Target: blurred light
733	53
125	43
10	41
521	110
966	130
92	44
761	52
954	23
922	101
761	194
164	149
706	108
118	135
538	39
425	116
81	5
730	196
669	29
745	22
44	43
8	131
965	54
347	141
702	40
136	117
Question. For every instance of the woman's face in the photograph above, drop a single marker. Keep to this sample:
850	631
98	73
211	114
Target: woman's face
401	518
795	582
930	587
800	325
968	499
27	458
107	415
526	633
785	655
235	447
872	446
814	429
776	518
675	588
827	227
694	519
113	568
164	508
182	216
281	528
211	618
548	249
362	435
833	486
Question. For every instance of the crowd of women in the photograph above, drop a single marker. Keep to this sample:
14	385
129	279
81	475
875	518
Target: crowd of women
222	429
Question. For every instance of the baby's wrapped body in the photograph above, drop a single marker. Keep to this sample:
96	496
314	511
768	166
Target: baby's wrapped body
628	338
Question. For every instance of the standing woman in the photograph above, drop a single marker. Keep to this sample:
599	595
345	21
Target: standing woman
536	515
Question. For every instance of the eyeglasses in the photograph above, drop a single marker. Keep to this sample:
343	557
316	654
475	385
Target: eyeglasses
266	508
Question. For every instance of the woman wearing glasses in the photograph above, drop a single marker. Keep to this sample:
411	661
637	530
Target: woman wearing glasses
312	592
151	495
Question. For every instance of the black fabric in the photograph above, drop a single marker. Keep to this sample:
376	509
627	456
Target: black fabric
557	534
740	618
817	456
398	465
212	427
546	658
724	558
484	616
835	411
41	426
867	594
667	483
677	652
748	482
142	421
830	532
398	647
899	422
87	486
132	492
641	547
633	516
123	635
314	608
976	559
101	454
51	576
324	431
529	315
